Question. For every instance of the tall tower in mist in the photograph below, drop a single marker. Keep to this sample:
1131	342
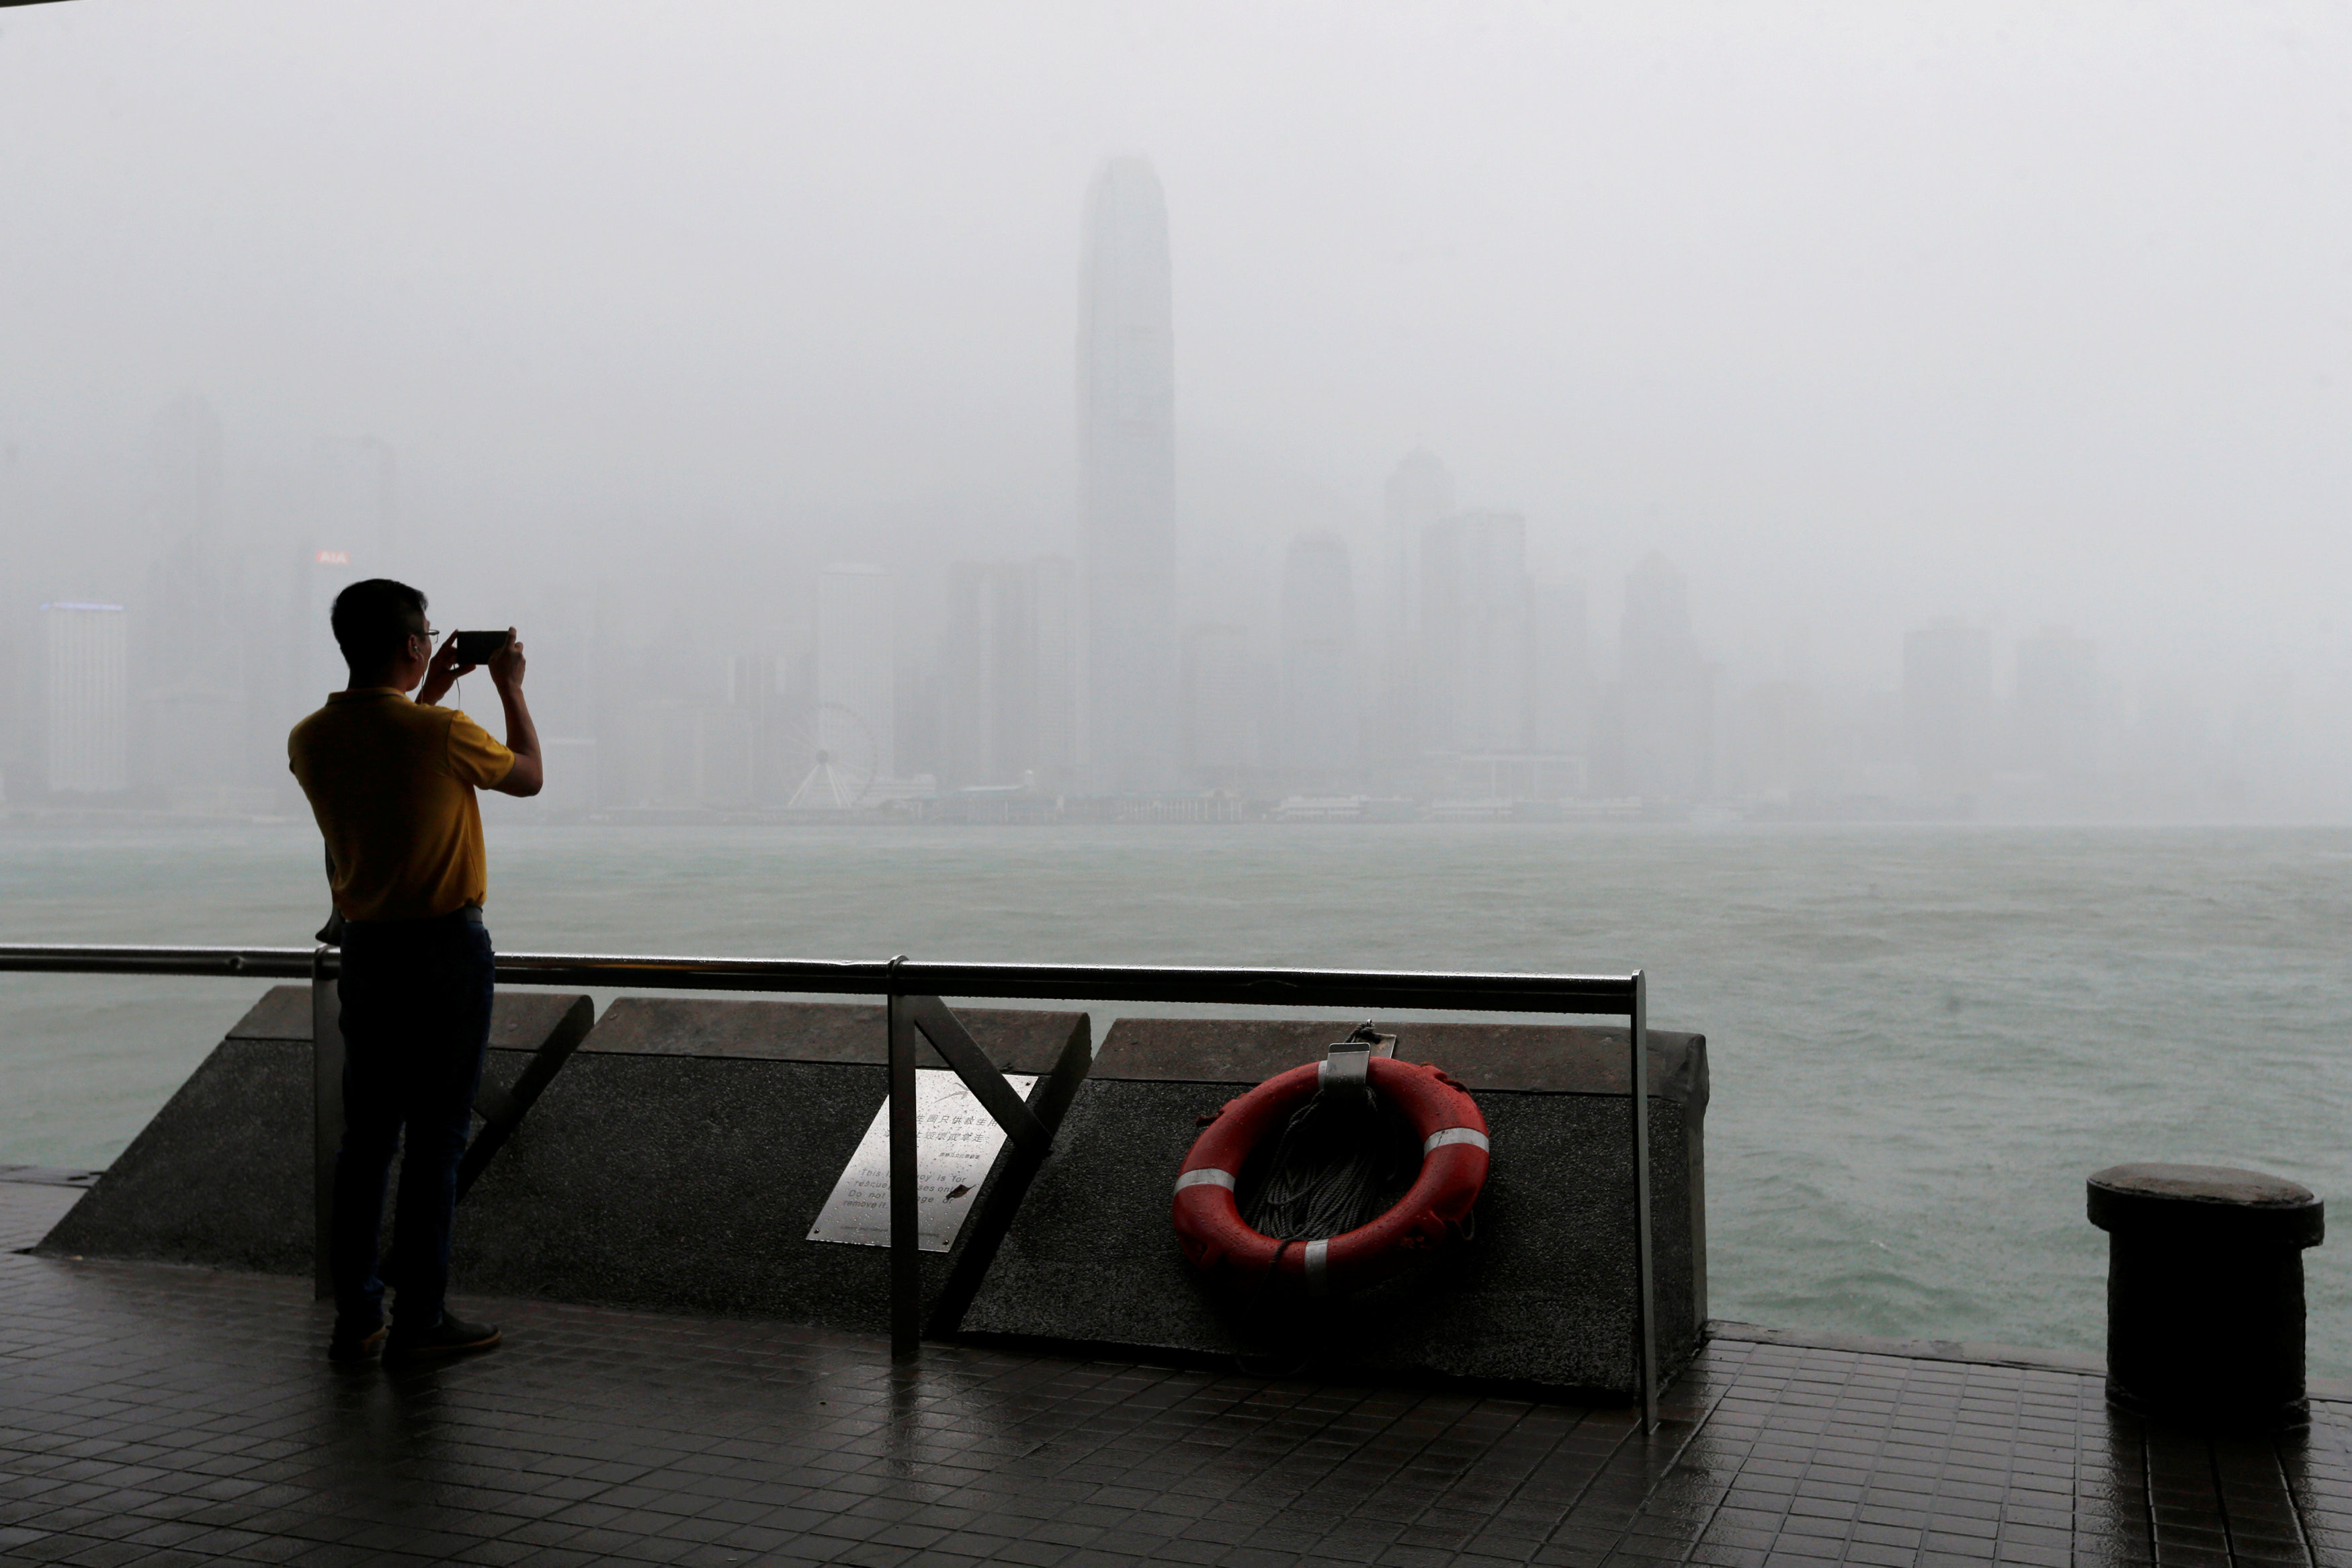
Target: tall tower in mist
1127	458
1420	492
1473	616
1419	495
2059	706
190	722
1011	686
1947	706
186	583
1318	661
1666	690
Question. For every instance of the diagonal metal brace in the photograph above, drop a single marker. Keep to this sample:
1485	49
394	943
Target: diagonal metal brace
948	1037
502	1110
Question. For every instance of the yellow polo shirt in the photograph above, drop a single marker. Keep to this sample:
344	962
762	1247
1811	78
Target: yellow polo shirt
391	782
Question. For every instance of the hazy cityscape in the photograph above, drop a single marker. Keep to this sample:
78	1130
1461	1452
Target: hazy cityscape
1423	670
1416	665
1492	592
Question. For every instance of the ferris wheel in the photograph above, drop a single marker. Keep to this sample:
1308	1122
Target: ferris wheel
838	746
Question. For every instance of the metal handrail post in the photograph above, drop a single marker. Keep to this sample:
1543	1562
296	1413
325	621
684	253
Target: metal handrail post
932	1019
905	1256
1645	1306
326	1112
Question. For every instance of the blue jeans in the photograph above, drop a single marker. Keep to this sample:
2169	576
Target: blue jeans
415	1021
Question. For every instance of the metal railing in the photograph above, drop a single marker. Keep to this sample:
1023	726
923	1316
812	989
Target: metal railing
913	1011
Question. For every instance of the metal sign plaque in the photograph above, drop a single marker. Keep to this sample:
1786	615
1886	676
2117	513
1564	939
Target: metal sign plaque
956	1141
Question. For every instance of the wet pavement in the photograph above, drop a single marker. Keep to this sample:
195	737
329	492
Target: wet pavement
158	1415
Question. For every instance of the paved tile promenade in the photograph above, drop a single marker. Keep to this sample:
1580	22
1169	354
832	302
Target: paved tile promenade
161	1416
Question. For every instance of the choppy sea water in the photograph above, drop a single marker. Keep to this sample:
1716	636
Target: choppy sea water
1922	1039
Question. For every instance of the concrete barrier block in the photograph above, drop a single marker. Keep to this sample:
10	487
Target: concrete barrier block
223	1172
1543	1294
676	1162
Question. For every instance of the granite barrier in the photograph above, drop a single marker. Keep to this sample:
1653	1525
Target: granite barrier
222	1175
676	1162
1542	1295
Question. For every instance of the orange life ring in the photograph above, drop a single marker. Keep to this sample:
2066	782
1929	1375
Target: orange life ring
1452	1169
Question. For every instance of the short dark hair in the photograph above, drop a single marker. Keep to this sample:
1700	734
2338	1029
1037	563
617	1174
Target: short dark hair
374	620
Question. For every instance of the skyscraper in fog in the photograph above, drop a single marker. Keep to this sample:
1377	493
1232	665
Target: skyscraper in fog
1473	624
857	667
1318	661
186	474
187	584
1947	706
1009	671
1127	454
1419	493
352	487
2059	705
189	714
1560	700
86	695
1054	605
1666	690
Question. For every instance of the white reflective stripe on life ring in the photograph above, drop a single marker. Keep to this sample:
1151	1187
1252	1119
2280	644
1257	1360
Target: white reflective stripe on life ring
1318	1268
1444	1135
1208	1176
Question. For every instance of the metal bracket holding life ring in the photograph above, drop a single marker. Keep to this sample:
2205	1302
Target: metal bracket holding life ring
1437	1208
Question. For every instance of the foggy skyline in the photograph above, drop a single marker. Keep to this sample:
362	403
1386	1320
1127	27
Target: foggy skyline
1127	486
1865	319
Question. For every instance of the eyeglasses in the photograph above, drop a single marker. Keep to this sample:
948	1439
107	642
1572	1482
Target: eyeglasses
428	634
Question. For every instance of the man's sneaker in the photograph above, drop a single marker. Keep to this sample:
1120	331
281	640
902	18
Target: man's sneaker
450	1336
355	1343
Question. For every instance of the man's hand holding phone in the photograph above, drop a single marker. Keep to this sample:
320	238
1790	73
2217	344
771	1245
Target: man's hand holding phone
507	664
463	652
443	671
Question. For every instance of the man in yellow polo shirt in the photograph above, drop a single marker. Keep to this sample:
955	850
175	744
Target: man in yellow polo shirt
391	783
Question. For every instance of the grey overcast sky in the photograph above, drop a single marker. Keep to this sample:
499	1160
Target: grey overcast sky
1864	313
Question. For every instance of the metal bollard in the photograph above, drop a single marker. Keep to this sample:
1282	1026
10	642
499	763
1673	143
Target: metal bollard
2205	1312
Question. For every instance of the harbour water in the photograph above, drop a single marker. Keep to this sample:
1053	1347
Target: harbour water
1923	1038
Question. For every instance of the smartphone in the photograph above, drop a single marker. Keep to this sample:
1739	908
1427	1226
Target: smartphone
480	647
